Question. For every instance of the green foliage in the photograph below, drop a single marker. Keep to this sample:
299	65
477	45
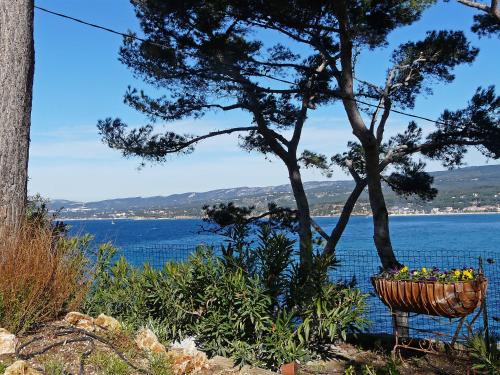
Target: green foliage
429	60
158	365
477	124
230	308
310	159
3	367
390	368
53	367
108	364
332	313
485	355
280	345
486	25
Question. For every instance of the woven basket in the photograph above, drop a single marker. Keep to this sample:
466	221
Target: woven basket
452	299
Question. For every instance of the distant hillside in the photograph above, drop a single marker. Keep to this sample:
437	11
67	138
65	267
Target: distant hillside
470	189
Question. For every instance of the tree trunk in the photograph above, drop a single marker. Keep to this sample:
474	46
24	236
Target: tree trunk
381	235
344	217
16	87
304	217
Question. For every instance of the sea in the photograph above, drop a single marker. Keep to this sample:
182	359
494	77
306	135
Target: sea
443	241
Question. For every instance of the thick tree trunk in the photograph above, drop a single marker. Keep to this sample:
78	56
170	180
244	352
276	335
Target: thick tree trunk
16	84
304	217
381	235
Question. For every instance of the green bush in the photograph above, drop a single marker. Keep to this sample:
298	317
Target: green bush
485	355
233	305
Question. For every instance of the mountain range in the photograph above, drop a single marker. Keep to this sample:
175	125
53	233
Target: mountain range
469	189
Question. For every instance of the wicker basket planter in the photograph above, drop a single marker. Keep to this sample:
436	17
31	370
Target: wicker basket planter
450	299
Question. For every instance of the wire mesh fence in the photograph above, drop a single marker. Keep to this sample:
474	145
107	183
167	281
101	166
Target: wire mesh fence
359	265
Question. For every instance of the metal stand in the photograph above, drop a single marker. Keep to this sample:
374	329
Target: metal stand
436	345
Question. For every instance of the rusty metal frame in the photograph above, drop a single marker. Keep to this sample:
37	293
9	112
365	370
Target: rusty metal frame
435	346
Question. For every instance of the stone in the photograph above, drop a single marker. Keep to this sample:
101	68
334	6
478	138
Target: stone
8	342
185	358
21	368
81	321
147	340
184	362
188	345
226	366
108	323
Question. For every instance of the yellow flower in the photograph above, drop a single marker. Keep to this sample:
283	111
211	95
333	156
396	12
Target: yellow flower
467	274
457	273
424	270
403	270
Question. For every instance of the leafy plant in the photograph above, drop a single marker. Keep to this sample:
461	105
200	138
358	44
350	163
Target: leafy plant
485	355
53	367
230	309
334	312
390	368
107	364
158	365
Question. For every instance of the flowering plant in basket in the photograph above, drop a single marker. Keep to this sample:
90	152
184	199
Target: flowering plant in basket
451	293
431	274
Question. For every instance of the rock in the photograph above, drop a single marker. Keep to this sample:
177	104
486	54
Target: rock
185	357
188	345
225	366
187	362
147	340
21	368
81	321
108	323
8	342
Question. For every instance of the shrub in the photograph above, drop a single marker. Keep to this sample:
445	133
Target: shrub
485	355
230	310
41	276
332	313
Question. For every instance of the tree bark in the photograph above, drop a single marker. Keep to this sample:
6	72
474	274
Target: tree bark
304	218
16	87
344	217
381	235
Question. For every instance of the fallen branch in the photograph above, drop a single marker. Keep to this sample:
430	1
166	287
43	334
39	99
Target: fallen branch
84	357
51	346
107	343
87	337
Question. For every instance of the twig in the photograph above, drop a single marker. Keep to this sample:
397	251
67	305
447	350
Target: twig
84	356
22	346
51	346
107	343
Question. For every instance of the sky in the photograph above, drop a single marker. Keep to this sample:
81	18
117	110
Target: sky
79	80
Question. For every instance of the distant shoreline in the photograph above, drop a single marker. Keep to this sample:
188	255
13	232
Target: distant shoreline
326	216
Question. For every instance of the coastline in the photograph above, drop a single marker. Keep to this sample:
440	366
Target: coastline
319	216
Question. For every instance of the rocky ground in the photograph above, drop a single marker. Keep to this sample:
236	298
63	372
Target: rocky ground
82	345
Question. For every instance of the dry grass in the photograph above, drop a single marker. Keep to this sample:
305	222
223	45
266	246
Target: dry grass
41	276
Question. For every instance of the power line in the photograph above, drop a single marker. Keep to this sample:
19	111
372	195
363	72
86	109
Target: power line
163	46
98	26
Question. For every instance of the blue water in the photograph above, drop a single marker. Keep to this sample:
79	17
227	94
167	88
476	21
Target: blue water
456	233
445	241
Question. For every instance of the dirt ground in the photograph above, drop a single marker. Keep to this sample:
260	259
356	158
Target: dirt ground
60	349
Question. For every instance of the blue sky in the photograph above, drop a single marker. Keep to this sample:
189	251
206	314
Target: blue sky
78	80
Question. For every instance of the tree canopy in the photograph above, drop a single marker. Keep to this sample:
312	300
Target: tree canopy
279	60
